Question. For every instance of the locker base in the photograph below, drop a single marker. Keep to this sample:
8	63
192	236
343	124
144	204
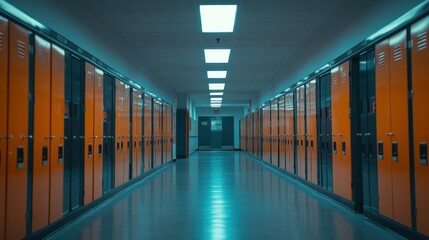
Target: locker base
80	212
402	230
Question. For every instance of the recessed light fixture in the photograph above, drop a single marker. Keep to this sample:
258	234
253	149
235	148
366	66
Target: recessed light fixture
218	18
215	105
217	55
216	93
215	102
216	86
216	99
216	74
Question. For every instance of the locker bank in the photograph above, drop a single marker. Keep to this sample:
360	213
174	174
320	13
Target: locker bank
314	124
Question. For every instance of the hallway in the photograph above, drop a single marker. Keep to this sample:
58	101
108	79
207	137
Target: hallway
221	195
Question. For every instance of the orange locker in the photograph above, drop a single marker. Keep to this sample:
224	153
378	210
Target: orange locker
42	134
126	133
147	133
274	134
4	52
18	132
335	111
139	134
290	154
164	133
300	131
119	142
157	135
341	150
98	134
169	133
57	133
392	129
344	144
266	134
134	141
89	133
311	130
282	133
420	76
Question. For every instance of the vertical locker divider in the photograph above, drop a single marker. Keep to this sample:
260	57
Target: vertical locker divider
282	150
119	143
140	134
4	65
313	133
290	131
300	132
18	132
134	142
57	134
274	133
420	88
147	132
89	133
42	134
98	147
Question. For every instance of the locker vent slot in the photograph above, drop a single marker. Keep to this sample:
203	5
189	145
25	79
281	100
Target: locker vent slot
343	74
43	57
21	49
381	57
422	41
1	41
397	53
59	64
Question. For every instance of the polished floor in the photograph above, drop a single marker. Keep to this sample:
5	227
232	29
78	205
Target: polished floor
221	195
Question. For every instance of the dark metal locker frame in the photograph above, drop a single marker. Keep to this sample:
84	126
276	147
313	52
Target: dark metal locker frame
295	130
108	138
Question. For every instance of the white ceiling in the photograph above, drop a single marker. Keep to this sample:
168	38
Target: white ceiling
274	44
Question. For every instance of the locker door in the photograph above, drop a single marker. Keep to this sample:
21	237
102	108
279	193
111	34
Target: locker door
344	145
367	129
98	134
148	132
134	131
73	129
119	146
337	164
420	74
274	134
290	130
4	52
282	133
140	135
89	133
394	166
300	133
311	131
109	148
18	132
57	134
127	133
42	134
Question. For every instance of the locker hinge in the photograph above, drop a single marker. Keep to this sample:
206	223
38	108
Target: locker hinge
411	95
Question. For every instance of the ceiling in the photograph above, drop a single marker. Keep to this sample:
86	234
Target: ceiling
273	42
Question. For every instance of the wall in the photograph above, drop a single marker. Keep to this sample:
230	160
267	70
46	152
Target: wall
236	112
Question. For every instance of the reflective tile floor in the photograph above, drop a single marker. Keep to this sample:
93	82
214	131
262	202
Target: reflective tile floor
221	195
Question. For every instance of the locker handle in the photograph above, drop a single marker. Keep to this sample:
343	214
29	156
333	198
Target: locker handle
423	153
24	137
340	134
122	145
20	157
311	145
117	146
394	151
45	155
334	147
60	153
100	149
359	134
90	150
380	151
390	134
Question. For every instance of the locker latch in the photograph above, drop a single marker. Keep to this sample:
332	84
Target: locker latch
60	154
423	153
44	155
334	147
20	157
380	150
100	149
343	147
394	151
90	150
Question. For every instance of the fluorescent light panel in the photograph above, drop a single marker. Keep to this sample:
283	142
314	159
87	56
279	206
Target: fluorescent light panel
216	86
216	74
218	18
216	99
217	55
216	93
215	105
